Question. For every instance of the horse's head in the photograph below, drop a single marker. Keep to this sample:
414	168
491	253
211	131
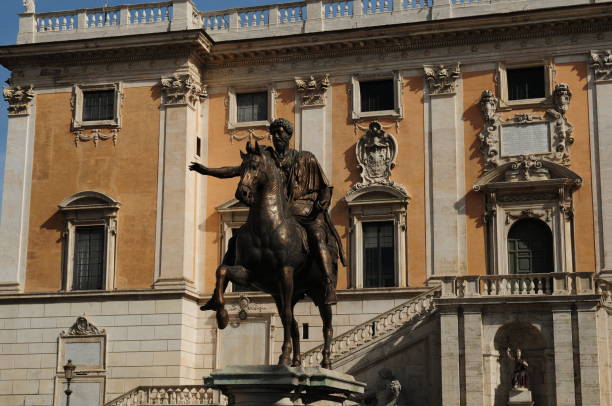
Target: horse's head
258	165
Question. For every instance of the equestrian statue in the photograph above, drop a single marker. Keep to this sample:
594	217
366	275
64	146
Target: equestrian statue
288	246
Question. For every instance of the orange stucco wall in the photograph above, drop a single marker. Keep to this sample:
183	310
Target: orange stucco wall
127	172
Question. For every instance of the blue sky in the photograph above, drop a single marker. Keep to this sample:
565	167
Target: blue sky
9	25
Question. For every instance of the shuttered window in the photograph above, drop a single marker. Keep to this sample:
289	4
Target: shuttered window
530	247
99	105
88	258
378	254
252	106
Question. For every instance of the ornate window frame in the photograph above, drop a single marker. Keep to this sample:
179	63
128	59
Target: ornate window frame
82	331
502	83
233	214
560	131
537	189
377	203
396	113
78	91
232	107
89	208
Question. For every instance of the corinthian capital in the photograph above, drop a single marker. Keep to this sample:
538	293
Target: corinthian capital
19	99
182	90
441	79
601	62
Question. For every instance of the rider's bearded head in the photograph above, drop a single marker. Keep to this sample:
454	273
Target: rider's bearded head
281	130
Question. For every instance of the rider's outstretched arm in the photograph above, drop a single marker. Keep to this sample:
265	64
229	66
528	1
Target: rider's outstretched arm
224	172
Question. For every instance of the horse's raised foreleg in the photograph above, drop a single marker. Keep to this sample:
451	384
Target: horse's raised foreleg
325	311
217	302
285	310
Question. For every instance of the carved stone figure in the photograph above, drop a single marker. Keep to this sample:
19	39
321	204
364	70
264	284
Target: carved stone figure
288	246
520	377
562	97
386	391
18	99
29	6
440	79
82	327
488	105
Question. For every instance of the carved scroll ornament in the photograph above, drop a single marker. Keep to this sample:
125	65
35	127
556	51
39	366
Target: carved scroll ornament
82	327
19	99
182	90
440	79
601	62
313	90
560	137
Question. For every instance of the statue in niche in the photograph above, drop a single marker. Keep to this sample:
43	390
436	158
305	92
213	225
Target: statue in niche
386	392
520	376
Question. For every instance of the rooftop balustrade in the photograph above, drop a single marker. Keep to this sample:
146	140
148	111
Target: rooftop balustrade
261	21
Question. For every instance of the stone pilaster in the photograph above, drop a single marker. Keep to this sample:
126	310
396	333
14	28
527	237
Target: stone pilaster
447	183
449	357
178	228
315	124
564	356
17	184
474	386
602	91
590	385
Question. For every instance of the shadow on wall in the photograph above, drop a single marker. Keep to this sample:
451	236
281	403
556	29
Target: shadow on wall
537	354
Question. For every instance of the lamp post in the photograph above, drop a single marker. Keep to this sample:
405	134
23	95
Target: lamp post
68	374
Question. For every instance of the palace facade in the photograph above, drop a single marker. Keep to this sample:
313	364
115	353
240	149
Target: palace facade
469	144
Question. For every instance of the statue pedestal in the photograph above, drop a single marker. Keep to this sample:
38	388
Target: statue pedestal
268	385
520	397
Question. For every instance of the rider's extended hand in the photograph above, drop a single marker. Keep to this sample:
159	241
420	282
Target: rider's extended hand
199	168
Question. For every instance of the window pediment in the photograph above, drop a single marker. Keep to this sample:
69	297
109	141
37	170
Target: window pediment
88	200
373	194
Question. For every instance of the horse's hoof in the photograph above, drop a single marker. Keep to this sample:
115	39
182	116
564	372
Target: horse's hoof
284	361
296	363
222	318
326	365
210	305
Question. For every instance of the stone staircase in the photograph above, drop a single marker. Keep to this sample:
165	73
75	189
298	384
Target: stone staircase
186	395
377	328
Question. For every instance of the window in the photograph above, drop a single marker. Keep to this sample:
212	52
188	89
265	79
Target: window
377	237
520	84
378	254
89	241
530	247
252	106
526	83
376	96
96	106
88	258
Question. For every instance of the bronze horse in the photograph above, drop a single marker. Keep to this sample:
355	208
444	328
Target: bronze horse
271	253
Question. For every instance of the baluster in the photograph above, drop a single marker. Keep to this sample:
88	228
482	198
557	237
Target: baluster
41	25
338	9
346	9
537	286
159	15
151	16
136	16
262	18
494	290
64	23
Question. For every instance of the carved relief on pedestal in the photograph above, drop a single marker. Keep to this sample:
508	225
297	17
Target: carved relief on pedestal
601	62
537	137
440	79
182	90
313	90
19	99
376	152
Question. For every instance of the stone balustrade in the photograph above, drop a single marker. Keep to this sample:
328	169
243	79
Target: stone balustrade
189	395
376	329
555	283
260	21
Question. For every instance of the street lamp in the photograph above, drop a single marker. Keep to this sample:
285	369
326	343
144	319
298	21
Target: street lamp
68	374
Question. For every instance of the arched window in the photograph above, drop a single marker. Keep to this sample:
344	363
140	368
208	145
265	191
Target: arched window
530	247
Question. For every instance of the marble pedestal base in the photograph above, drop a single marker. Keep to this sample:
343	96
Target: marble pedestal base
277	385
520	397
